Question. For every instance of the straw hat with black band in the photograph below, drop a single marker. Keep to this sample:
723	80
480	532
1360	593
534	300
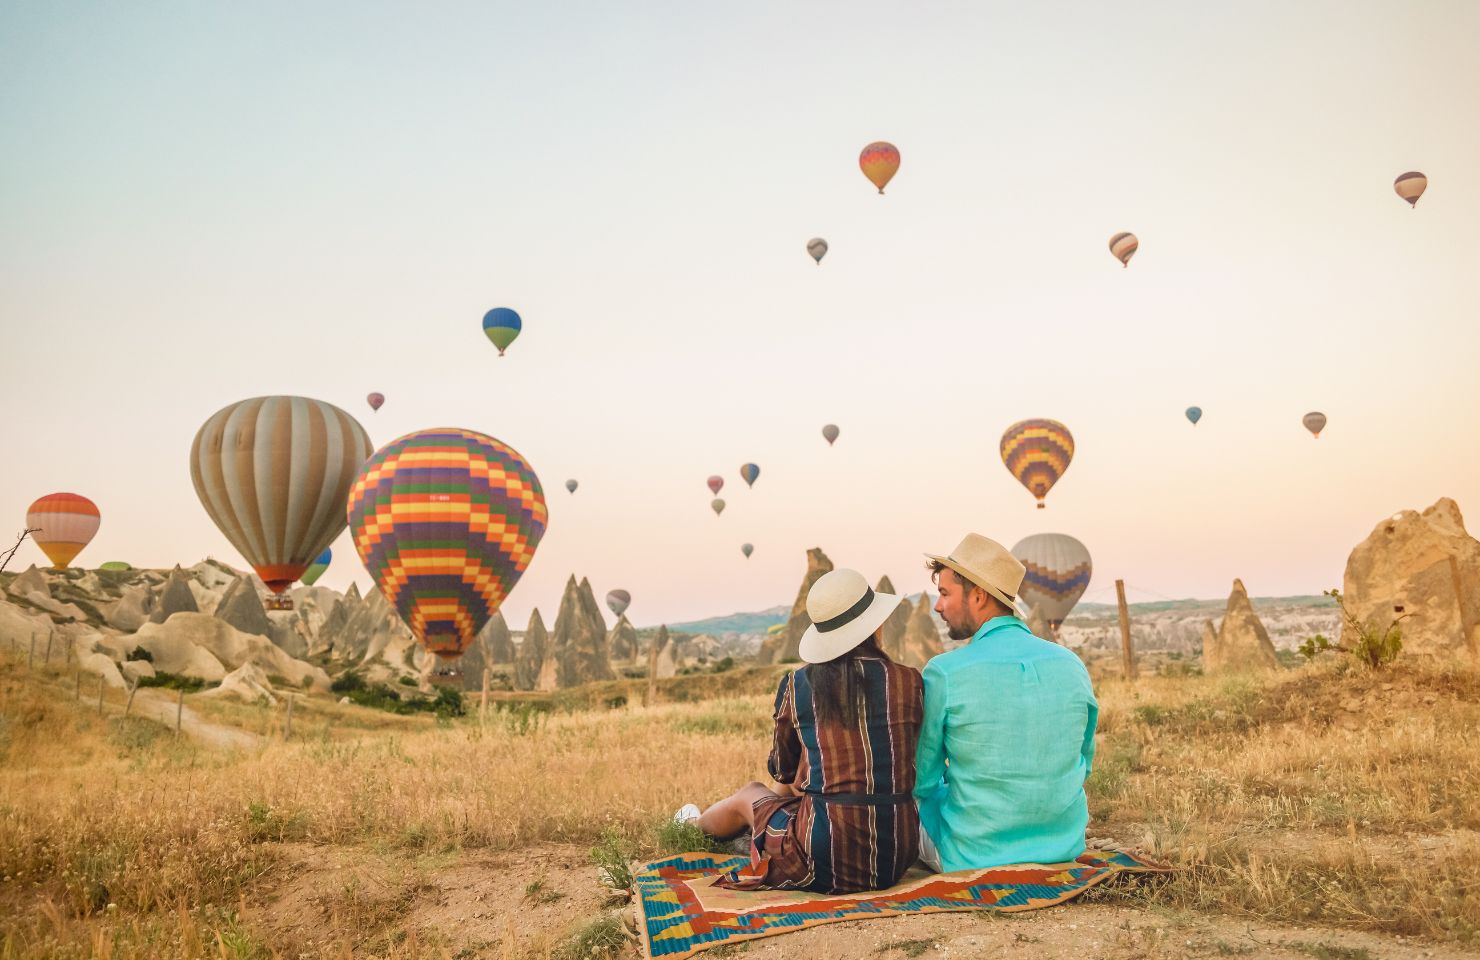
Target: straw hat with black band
845	611
988	564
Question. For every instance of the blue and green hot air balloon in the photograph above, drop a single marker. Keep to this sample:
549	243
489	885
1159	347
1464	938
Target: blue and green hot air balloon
1194	414
748	473
317	568
501	326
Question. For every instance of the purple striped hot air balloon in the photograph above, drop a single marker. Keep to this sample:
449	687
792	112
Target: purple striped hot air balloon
1037	452
1058	570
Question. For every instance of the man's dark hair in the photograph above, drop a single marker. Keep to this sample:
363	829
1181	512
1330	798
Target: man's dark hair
936	568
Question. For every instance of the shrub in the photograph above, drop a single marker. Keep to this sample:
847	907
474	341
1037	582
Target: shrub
347	683
173	681
139	653
1373	647
727	663
613	855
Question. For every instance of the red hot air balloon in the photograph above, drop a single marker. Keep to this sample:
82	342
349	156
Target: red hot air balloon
716	483
879	161
446	521
376	400
64	524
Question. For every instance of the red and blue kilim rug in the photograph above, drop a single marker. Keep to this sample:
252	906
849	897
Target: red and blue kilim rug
680	912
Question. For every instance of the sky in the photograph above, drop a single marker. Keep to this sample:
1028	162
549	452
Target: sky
201	203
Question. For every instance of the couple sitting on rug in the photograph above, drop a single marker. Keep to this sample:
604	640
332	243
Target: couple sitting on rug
981	764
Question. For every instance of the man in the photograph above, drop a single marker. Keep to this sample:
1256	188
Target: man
1009	726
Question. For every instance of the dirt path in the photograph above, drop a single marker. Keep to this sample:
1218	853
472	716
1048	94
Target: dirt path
321	899
154	704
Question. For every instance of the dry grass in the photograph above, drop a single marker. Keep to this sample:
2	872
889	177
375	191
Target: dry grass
1320	797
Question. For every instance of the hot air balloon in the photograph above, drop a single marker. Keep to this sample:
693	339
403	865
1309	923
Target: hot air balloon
64	523
570	486
748	473
115	566
1058	571
747	549
317	568
1123	247
1037	452
1194	414
446	521
830	433
715	483
376	400
273	473
618	600
879	162
1410	186
1315	422
501	326
717	505
817	247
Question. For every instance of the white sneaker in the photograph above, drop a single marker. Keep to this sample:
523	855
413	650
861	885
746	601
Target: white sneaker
687	813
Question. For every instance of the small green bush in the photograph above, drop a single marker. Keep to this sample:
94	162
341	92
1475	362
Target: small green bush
173	681
613	855
139	653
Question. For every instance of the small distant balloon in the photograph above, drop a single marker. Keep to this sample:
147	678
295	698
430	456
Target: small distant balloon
618	601
1123	246
501	326
717	505
317	568
376	400
715	484
571	485
879	161
748	473
1410	186
817	247
1315	422
747	549
115	566
1194	414
830	433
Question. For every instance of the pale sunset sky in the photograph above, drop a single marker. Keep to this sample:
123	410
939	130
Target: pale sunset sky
204	202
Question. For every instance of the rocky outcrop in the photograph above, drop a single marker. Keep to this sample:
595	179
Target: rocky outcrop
247	683
176	597
498	643
29	582
130	611
100	665
1038	626
185	636
134	670
242	608
532	651
1241	644
1422	567
921	638
578	642
621	643
18	626
668	661
371	629
783	646
891	634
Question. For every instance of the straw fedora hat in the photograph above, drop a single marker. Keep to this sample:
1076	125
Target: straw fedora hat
845	611
988	564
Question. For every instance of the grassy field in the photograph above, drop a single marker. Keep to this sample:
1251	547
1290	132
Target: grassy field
1327	796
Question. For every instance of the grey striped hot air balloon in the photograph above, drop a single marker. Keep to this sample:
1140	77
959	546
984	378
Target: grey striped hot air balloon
817	247
1058	572
1410	186
274	473
1123	247
1315	422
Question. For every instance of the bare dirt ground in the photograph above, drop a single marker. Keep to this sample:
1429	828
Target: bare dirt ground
161	706
321	900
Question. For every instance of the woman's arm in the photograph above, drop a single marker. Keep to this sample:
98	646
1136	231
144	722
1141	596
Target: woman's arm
786	746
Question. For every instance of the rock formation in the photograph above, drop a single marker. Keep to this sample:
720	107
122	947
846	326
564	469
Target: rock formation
1425	568
1241	644
130	611
621	643
532	651
921	638
198	645
784	645
1038	626
242	608
247	683
498	643
667	663
32	581
578	642
891	634
176	597
18	626
100	665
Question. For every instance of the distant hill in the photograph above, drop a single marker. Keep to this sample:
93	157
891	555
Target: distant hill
758	622
1159	606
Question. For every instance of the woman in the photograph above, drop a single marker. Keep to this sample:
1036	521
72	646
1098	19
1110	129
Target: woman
843	819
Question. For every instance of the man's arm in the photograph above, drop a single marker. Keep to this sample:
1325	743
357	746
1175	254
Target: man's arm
1087	750
930	753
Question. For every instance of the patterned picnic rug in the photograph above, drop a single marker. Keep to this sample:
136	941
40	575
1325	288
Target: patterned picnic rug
681	912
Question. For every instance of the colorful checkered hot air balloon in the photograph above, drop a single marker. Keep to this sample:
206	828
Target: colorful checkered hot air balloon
501	325
273	473
879	161
317	568
1037	452
1058	572
446	521
64	523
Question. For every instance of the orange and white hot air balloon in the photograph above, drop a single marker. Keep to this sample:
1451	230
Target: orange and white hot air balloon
1123	247
64	524
879	162
1410	186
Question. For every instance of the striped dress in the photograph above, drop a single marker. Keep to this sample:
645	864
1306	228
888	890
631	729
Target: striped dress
854	827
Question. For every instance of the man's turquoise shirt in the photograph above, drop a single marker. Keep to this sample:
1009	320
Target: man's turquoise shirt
1015	717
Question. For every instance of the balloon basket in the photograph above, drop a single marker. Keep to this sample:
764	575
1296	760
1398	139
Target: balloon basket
276	602
446	677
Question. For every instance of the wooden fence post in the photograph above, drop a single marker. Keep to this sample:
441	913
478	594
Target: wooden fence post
288	728
483	704
1127	651
652	689
179	710
131	691
102	686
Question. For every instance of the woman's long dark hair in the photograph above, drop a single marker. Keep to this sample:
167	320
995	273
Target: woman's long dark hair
838	685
